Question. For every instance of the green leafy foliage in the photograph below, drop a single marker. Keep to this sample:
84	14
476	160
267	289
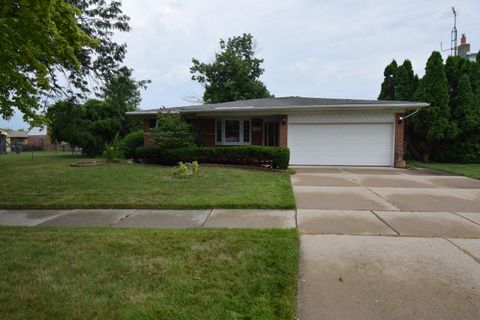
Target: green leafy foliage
195	168
131	142
113	152
53	49
94	124
181	170
273	157
448	130
172	132
406	82
388	86
234	75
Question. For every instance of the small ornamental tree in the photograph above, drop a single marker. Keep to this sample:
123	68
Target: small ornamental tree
172	132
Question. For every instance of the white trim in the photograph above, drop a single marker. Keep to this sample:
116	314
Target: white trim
241	132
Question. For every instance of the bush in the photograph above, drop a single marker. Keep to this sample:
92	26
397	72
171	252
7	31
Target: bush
113	152
172	132
181	170
130	143
273	157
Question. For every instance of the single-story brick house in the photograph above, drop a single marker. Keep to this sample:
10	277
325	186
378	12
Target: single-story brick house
318	131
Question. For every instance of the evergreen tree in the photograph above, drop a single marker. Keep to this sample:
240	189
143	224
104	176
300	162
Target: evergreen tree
432	124
405	82
466	114
387	91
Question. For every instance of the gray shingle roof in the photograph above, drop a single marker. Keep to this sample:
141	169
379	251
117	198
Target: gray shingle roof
288	103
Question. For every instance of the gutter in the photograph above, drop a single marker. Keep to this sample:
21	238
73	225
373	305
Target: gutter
290	108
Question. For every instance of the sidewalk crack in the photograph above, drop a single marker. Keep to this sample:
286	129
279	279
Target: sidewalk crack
206	219
477	260
376	215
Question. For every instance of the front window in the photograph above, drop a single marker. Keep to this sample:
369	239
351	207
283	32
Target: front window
232	132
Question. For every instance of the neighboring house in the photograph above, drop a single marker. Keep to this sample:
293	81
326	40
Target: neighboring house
4	141
39	139
464	49
18	137
11	139
317	131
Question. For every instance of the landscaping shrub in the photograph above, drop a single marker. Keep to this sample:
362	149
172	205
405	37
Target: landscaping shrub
113	152
273	157
131	142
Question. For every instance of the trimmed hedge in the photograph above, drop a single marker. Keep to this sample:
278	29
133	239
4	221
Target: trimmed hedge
273	157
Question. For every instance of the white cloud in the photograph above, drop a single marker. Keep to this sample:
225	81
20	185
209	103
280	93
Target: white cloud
331	48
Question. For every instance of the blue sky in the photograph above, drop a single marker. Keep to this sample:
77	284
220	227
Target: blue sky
324	48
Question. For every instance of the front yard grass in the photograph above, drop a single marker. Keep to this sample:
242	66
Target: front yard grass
99	273
471	170
48	182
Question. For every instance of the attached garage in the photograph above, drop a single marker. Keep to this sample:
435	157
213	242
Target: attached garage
348	139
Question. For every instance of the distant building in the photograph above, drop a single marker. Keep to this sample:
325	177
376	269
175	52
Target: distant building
38	139
11	140
464	49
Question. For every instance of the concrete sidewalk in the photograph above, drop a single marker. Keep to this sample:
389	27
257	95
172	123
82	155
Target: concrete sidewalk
139	218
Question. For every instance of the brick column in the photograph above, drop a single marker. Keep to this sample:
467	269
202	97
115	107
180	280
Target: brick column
399	162
283	131
146	133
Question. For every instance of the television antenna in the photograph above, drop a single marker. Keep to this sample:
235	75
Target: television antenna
453	36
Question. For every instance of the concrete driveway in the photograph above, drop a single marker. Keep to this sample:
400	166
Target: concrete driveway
381	243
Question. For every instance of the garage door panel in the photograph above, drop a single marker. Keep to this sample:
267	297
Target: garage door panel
341	144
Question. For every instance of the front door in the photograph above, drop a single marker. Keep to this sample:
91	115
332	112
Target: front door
270	134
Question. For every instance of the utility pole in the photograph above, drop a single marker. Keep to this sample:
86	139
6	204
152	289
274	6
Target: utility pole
453	43
453	36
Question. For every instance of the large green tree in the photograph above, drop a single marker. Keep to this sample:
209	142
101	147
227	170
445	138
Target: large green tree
95	123
55	49
387	91
122	92
234	74
466	114
432	124
406	82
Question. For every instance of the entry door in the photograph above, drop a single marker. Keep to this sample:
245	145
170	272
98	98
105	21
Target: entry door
270	135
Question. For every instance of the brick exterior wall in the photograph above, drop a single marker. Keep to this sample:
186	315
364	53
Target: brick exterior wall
42	142
283	131
257	132
207	129
399	162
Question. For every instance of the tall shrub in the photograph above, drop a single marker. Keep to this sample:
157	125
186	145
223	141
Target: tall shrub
172	132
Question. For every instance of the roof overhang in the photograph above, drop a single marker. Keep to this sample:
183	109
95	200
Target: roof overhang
397	107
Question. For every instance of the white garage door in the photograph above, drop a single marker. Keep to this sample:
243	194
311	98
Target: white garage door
341	144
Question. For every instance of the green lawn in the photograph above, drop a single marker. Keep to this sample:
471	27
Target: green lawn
49	182
99	273
469	169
